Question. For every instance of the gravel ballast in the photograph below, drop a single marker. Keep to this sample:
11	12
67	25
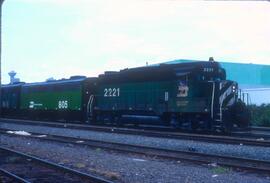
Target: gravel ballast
127	167
256	152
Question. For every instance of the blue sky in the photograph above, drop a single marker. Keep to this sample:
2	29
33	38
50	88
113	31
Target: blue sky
60	38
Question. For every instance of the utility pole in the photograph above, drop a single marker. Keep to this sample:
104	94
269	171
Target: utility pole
1	3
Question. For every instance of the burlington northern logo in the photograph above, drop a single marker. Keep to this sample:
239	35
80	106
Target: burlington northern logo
182	89
32	104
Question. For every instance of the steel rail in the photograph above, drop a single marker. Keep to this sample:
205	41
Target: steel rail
263	129
236	139
263	137
13	176
196	157
51	165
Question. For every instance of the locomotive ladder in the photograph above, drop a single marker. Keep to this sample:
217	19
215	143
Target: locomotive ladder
216	114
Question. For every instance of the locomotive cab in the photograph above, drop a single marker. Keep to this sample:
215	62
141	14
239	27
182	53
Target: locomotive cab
205	100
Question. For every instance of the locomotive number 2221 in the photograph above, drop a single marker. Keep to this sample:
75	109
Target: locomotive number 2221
111	92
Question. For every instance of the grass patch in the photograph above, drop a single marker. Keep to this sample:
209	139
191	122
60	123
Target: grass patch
221	170
109	174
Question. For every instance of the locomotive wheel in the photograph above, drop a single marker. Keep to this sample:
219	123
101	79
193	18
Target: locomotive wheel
228	127
194	125
228	122
174	122
118	120
241	114
92	119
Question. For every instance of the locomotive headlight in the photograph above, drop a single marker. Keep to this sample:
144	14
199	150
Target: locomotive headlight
233	89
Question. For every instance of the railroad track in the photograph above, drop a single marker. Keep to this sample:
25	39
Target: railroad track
237	138
195	157
261	129
256	133
19	167
253	135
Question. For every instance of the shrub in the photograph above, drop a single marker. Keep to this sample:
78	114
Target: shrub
260	115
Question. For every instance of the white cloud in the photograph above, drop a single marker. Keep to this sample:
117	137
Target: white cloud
171	26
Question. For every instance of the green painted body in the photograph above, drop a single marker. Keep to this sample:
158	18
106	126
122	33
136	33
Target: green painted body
52	100
151	96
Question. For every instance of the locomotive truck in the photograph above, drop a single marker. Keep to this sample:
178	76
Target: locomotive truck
193	96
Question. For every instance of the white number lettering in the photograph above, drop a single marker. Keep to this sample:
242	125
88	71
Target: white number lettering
63	104
111	92
208	69
114	92
66	104
105	92
118	92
